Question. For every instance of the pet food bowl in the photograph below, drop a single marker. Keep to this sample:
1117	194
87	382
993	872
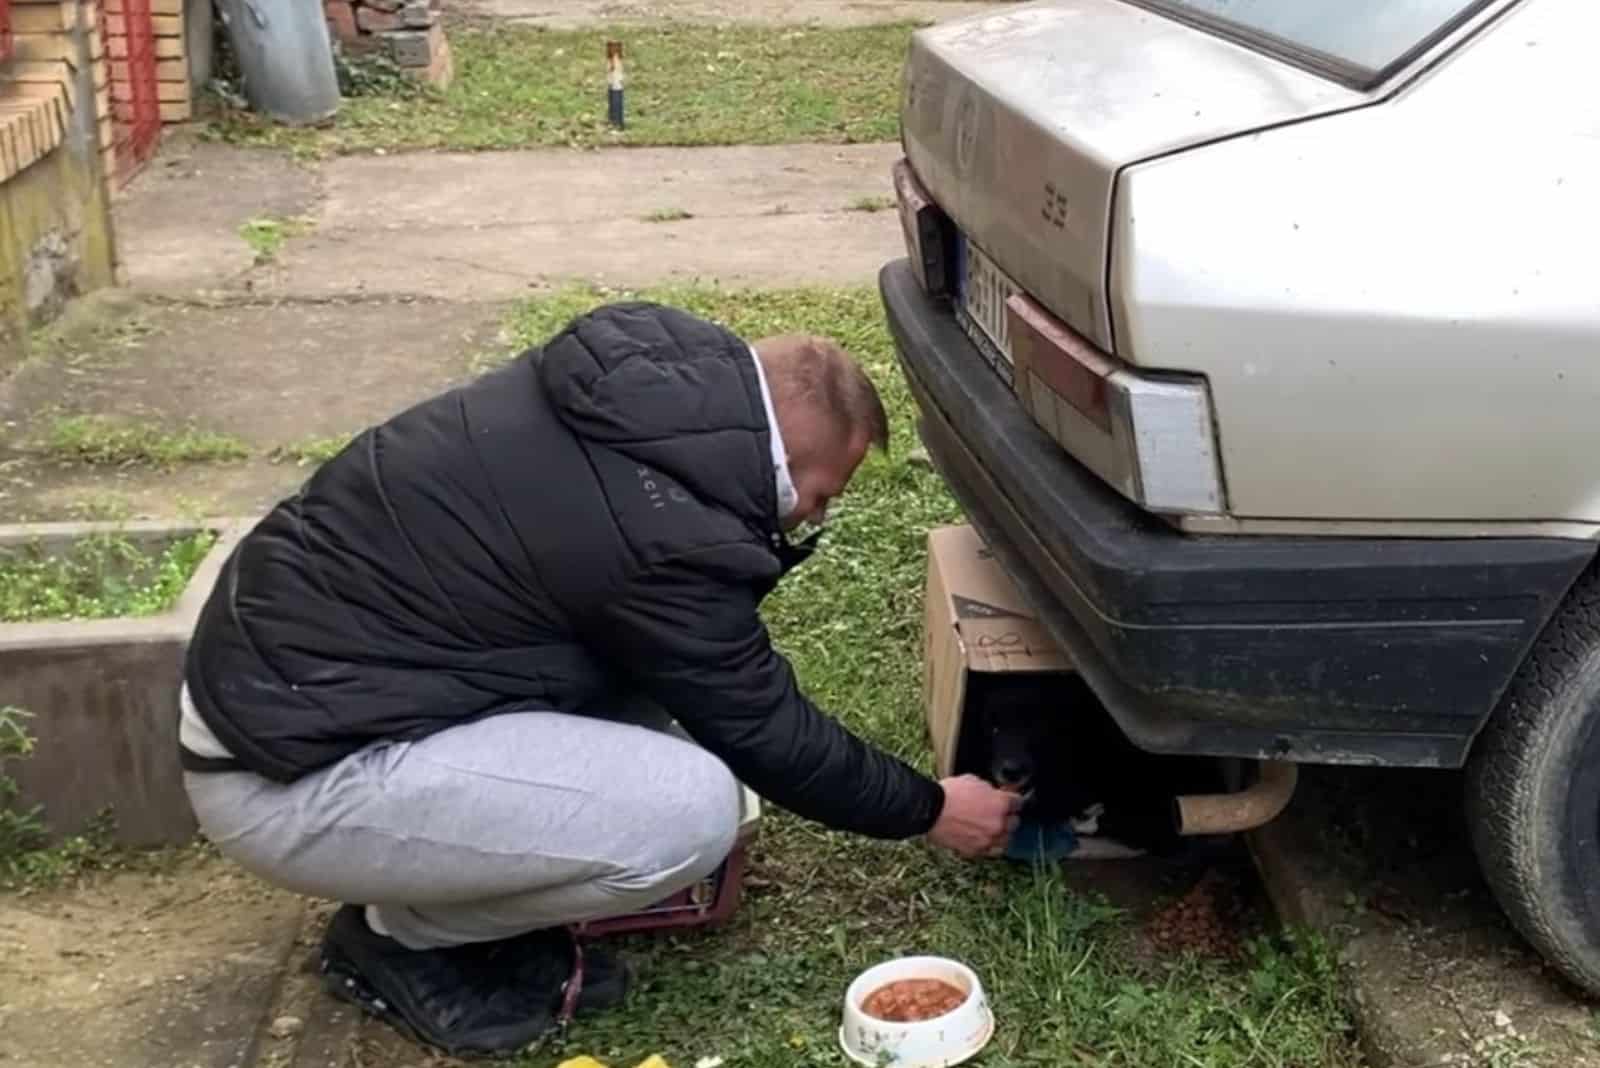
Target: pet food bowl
956	1037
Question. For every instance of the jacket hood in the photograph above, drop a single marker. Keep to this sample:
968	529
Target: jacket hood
673	392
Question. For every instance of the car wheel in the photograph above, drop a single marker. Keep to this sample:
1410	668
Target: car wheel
1533	792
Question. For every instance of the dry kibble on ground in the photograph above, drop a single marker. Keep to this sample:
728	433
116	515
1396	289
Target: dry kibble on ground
1202	921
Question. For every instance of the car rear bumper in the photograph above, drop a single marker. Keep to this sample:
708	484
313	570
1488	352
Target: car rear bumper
1328	650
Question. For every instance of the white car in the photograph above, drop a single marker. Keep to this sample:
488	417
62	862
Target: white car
1261	340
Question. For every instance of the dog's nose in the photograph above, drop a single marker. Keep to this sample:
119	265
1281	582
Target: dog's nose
1011	772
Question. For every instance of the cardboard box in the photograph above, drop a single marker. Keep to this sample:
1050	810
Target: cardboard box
976	625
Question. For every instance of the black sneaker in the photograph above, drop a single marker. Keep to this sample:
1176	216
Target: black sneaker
588	979
486	999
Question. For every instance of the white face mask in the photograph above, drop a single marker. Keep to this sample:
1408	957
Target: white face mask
788	496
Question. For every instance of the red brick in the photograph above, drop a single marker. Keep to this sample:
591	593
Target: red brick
371	20
341	19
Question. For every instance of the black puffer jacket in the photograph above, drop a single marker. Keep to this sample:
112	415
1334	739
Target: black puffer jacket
596	519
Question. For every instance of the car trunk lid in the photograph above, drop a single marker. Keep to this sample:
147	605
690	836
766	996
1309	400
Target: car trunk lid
1018	122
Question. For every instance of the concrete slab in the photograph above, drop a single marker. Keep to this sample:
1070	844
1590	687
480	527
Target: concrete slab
269	372
574	14
480	264
272	374
490	226
402	226
1437	976
448	191
178	221
173	970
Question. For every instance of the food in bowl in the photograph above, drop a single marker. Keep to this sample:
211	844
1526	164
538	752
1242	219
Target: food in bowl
913	1000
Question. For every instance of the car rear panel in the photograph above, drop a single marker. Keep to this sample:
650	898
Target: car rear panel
1018	122
1331	650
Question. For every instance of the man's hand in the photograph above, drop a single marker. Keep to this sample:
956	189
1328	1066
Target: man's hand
977	820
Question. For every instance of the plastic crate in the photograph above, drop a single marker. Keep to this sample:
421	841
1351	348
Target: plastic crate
709	903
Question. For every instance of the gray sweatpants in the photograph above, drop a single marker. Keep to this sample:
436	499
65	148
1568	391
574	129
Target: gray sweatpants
516	822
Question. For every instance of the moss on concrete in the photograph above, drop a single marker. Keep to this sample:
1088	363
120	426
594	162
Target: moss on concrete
56	242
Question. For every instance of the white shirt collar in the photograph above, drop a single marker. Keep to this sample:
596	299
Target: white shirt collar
788	496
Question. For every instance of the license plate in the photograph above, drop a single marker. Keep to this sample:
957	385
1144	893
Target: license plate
984	290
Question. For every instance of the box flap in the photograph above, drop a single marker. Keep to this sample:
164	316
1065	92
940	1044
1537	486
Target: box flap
995	626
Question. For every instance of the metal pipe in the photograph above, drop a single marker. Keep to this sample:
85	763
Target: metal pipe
1245	810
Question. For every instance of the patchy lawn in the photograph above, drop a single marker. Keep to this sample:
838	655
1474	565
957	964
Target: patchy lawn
1072	979
687	85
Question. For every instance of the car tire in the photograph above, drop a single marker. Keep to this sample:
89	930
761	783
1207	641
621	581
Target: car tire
1533	791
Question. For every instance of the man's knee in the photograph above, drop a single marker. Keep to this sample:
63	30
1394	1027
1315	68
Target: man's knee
697	827
708	808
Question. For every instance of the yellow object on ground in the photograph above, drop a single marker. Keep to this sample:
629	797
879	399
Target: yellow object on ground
653	1061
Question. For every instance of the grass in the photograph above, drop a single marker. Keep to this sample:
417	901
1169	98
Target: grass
21	829
666	215
871	205
94	439
29	860
266	235
687	85
102	576
1061	968
310	452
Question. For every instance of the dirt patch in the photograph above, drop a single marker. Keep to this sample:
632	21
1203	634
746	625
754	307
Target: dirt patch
142	971
1382	861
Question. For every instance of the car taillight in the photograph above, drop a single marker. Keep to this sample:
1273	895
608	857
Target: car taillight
1150	436
930	236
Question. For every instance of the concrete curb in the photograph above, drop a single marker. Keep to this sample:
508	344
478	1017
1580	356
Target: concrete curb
104	694
1380	862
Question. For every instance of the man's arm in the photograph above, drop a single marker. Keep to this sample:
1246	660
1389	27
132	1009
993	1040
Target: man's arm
697	647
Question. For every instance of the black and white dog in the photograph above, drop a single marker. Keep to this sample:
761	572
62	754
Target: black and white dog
1050	739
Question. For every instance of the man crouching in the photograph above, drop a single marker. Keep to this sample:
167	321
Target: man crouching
415	688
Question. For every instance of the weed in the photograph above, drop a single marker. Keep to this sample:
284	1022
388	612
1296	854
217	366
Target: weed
375	74
666	215
102	506
687	85
1506	1049
94	439
871	205
102	576
1059	966
310	452
42	866
21	830
266	235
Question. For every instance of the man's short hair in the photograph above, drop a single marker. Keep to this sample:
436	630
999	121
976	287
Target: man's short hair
816	371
